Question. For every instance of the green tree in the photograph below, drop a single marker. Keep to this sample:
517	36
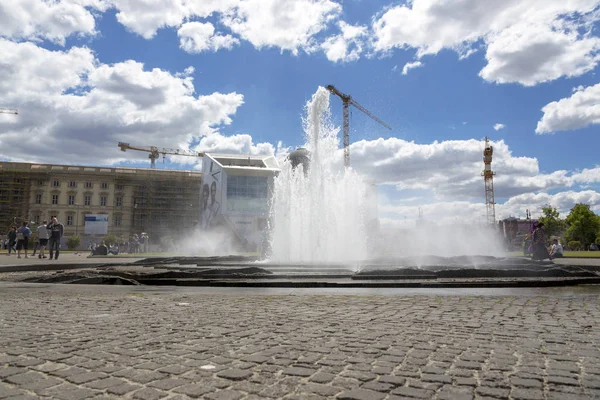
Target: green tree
553	225
110	239
582	224
73	242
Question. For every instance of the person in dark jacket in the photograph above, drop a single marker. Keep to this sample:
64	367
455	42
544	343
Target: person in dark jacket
539	250
56	230
12	239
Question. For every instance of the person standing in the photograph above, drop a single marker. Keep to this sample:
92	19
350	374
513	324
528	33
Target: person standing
12	239
42	232
23	234
56	232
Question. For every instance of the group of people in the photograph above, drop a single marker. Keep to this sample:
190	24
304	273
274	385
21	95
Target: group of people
536	245
48	235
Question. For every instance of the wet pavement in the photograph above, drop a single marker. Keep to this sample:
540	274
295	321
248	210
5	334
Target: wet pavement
80	342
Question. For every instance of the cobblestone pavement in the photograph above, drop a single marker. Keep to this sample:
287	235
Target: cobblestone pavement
73	344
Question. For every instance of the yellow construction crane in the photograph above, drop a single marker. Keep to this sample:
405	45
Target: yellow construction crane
346	101
9	111
156	152
488	177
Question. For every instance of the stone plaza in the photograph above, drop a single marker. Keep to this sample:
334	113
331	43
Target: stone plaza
80	342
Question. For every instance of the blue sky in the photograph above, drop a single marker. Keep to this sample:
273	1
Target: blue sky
81	74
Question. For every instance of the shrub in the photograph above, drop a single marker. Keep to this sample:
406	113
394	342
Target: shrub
574	245
110	239
73	242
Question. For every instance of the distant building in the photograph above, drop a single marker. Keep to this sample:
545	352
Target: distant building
94	201
234	199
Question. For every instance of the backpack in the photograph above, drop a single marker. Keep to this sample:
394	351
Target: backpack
20	236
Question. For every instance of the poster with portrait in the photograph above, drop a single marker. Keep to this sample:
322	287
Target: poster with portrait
211	192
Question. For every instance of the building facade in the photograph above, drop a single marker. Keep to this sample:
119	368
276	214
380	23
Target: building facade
157	202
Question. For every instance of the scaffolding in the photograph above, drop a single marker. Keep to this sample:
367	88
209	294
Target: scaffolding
15	196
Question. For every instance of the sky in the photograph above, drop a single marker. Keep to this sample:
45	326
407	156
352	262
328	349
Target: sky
233	76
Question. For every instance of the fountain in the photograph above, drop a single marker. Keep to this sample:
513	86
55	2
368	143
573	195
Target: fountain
318	211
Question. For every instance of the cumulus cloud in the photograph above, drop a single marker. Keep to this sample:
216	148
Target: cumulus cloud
575	112
73	105
525	41
411	65
498	126
346	46
452	169
145	17
48	20
289	25
196	37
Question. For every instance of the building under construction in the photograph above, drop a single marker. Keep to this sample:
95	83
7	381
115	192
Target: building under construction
161	203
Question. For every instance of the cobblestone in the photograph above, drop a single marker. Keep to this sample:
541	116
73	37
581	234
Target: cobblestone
120	343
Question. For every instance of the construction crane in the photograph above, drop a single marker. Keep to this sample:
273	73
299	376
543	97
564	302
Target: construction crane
156	152
9	111
346	101
488	177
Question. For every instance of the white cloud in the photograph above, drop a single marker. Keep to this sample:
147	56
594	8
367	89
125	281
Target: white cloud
145	17
49	20
347	46
526	41
411	65
289	25
76	108
498	126
575	112
451	169
196	37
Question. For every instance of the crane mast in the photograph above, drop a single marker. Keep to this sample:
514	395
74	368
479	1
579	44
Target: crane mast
156	152
347	100
488	177
9	111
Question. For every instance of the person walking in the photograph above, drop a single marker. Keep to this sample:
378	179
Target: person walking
56	232
23	234
12	239
42	232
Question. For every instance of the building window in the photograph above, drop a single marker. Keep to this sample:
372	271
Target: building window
36	219
56	183
119	201
89	185
38	199
104	185
54	199
72	184
244	194
117	220
69	220
71	200
103	201
40	183
118	187
87	200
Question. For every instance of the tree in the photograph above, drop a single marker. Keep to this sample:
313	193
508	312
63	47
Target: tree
553	225
583	225
110	239
73	242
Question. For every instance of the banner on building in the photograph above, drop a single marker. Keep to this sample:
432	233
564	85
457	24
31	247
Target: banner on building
96	224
